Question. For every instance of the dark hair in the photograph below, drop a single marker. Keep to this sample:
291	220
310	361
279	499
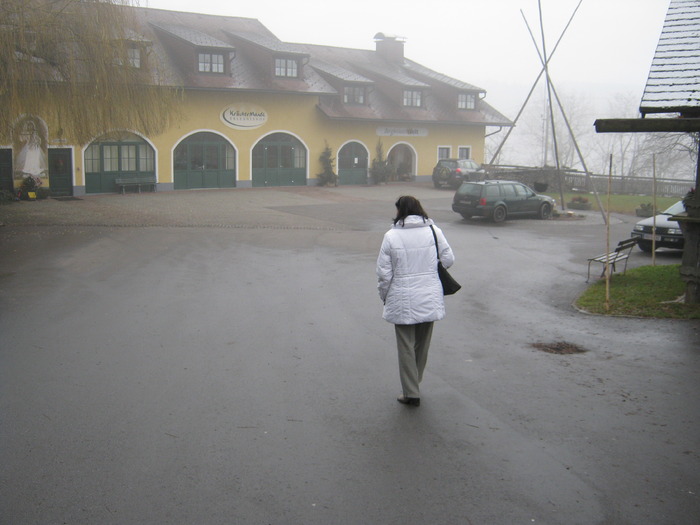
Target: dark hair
407	205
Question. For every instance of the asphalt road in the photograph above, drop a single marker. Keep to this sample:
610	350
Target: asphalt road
220	357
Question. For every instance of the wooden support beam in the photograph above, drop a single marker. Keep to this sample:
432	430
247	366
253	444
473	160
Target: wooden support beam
647	125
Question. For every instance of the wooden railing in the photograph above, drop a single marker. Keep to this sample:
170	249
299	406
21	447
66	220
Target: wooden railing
574	180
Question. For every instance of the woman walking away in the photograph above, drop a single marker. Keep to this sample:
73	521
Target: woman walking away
410	288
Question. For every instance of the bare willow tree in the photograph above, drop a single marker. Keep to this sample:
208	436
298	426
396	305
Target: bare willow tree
82	67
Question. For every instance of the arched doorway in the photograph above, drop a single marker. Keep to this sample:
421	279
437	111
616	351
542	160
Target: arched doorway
117	155
204	160
402	159
352	164
279	160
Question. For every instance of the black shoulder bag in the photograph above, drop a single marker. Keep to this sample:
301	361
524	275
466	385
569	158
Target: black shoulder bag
449	285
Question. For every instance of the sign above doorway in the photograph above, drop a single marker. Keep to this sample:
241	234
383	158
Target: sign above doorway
385	131
244	116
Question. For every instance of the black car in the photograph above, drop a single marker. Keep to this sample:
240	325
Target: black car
452	172
668	232
498	199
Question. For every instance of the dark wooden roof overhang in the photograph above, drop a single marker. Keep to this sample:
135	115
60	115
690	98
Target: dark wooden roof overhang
647	125
652	125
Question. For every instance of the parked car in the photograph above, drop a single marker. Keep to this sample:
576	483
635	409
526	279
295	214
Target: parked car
668	232
452	172
499	199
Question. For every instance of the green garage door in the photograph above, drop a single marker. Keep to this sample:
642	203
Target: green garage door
124	156
204	160
279	160
352	164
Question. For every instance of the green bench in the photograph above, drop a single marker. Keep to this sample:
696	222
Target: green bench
620	253
135	181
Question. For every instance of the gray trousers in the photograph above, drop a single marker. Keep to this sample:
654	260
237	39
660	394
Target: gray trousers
413	342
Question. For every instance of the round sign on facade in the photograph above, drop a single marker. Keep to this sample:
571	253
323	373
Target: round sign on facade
240	116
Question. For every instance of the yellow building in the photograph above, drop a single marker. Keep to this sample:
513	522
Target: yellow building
259	112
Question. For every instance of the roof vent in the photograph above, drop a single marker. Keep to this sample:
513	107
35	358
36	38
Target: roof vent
389	47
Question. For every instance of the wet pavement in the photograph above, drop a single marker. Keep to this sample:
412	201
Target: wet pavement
219	357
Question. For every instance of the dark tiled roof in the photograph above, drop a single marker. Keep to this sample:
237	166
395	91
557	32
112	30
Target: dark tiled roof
216	32
272	44
339	73
422	71
407	74
192	36
392	72
324	71
674	77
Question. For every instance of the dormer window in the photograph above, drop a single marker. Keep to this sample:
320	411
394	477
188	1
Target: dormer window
354	95
412	98
134	57
286	67
211	63
466	101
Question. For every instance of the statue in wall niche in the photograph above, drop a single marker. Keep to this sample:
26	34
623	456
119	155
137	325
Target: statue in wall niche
30	148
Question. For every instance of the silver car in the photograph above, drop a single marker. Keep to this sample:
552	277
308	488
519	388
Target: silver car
668	232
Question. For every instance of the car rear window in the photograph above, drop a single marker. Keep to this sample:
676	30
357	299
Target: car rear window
448	164
471	190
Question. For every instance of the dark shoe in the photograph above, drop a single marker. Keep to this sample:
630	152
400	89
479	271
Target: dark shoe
412	401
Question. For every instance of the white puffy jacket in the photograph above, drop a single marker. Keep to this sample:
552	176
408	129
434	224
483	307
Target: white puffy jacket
408	282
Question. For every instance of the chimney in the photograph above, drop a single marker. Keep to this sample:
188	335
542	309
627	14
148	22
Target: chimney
390	47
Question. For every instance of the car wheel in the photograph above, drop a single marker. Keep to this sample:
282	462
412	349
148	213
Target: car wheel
499	214
436	184
545	211
645	246
466	215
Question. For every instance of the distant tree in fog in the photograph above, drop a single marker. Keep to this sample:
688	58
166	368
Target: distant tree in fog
633	154
669	155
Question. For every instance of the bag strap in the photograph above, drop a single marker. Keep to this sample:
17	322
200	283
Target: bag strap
436	242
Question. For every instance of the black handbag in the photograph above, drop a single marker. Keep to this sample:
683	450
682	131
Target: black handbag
449	285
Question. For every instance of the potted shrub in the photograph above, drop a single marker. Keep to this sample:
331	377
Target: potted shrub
381	170
579	203
328	177
646	209
29	187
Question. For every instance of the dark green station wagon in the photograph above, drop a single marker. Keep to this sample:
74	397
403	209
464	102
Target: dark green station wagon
499	199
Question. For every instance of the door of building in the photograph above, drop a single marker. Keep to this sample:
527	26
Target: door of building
60	172
402	159
204	160
123	156
6	170
352	164
279	160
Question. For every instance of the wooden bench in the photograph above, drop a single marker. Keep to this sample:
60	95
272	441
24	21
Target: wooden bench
135	181
621	253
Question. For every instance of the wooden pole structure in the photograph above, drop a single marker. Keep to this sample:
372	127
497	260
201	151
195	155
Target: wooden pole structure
551	109
534	84
607	239
568	124
653	209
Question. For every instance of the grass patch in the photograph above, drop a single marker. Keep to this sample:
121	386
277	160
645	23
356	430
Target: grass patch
626	204
648	291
